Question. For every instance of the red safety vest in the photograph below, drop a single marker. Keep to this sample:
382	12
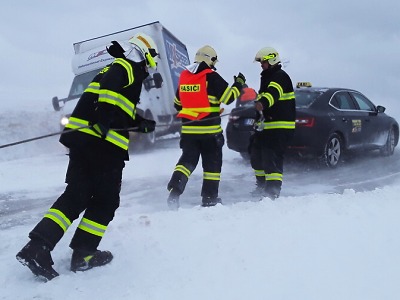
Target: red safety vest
193	95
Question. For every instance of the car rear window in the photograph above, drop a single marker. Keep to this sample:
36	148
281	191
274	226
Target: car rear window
304	97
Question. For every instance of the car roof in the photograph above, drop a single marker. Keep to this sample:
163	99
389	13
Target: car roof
323	89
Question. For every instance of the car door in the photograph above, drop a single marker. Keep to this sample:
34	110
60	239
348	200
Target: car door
372	127
349	119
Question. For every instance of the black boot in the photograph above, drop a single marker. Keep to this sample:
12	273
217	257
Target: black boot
272	192
173	200
258	192
36	256
83	260
210	201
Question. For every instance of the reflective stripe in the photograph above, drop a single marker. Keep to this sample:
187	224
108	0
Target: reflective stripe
268	96
58	217
117	99
93	87
287	96
177	101
259	173
274	176
201	129
195	111
280	125
228	93
112	136
213	99
128	68
277	86
183	169
211	176
92	227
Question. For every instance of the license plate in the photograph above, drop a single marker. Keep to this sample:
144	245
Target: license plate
249	122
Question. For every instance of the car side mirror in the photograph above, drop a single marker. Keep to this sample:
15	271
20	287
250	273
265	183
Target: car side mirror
380	109
154	81
158	80
56	103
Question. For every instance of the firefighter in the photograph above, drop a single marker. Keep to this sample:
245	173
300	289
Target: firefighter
276	106
98	149
200	92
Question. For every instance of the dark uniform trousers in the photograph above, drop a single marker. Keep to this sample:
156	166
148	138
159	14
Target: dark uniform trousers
209	147
93	185
267	153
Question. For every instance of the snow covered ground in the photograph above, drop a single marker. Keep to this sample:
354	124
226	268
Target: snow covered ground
333	234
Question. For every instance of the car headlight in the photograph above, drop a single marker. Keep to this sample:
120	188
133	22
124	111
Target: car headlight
64	121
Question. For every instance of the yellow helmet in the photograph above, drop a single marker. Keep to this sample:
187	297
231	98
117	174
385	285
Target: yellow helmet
206	54
146	45
268	54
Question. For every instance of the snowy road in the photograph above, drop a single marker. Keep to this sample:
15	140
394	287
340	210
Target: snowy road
25	193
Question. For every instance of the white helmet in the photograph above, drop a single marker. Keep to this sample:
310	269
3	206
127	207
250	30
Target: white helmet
206	54
268	54
147	47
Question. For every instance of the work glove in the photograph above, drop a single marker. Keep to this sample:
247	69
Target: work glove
100	129
116	50
146	126
240	79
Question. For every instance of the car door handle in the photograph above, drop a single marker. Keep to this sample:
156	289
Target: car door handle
344	120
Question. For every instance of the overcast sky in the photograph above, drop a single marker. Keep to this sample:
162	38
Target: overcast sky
330	43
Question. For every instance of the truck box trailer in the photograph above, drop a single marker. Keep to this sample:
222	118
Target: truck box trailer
158	92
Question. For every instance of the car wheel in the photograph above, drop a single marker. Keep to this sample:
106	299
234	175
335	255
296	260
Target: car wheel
388	148
332	151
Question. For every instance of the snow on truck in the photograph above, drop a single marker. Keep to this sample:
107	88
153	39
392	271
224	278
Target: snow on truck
158	91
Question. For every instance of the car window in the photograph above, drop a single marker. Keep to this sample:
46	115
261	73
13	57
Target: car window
363	102
304	98
342	100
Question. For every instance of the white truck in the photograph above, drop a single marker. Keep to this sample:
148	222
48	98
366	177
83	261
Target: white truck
158	92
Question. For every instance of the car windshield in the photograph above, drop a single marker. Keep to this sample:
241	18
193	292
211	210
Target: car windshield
305	97
80	83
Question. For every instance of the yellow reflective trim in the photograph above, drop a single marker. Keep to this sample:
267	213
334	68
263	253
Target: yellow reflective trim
259	173
267	96
195	111
280	125
112	136
201	129
59	218
287	96
277	86
92	227
189	112
211	176
228	93
213	100
183	169
177	101
128	68
93	87
274	176
113	98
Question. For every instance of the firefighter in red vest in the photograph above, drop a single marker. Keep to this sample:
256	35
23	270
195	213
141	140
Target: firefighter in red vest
200	92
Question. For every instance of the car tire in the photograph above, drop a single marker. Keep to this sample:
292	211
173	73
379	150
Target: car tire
332	154
388	148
